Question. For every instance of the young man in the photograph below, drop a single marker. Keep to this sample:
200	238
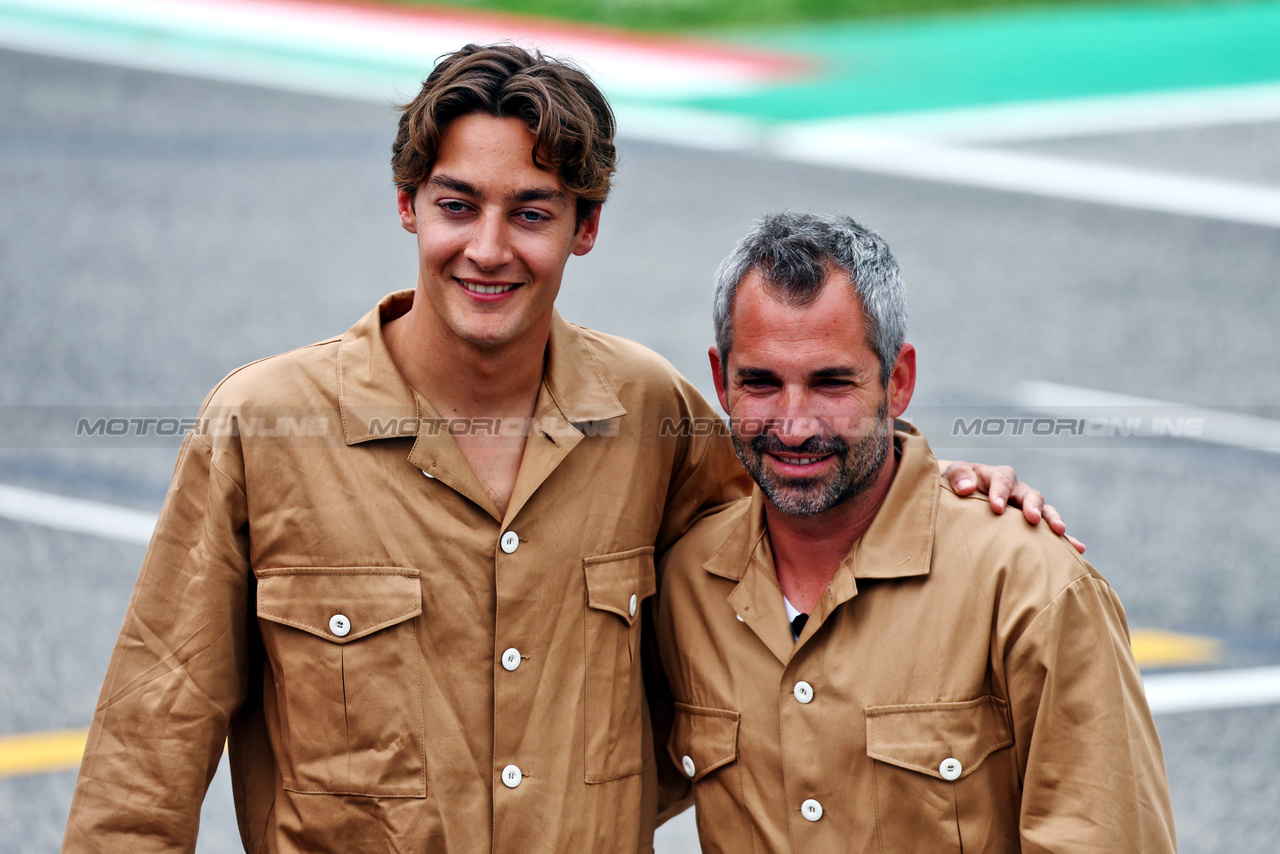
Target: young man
861	659
416	620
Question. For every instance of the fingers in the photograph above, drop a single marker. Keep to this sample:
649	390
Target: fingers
963	480
999	483
1054	518
1059	526
1030	500
1003	487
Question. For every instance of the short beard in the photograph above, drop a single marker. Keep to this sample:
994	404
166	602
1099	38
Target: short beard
859	464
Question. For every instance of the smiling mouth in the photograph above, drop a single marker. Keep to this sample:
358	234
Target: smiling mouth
487	290
799	461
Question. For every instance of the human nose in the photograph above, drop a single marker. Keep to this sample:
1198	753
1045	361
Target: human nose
796	421
488	247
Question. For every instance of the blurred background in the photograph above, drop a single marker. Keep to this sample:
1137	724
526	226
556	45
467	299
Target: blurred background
1084	198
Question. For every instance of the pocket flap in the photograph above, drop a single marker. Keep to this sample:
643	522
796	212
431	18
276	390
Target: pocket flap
920	737
614	579
367	598
707	738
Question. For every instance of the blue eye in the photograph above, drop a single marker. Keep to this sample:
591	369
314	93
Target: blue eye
453	207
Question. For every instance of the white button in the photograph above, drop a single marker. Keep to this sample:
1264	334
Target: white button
511	776
739	616
688	766
950	769
428	474
804	693
510	542
632	606
340	625
811	809
511	659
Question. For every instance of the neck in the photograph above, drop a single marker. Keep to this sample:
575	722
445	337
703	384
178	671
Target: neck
807	550
462	379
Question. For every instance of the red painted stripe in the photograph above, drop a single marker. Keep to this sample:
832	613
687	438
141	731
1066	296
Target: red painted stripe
754	63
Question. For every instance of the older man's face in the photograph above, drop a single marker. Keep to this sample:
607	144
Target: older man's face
811	421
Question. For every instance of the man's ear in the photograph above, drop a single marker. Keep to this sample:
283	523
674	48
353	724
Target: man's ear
588	229
408	215
902	382
717	376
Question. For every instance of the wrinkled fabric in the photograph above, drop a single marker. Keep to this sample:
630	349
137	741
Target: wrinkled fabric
951	643
329	592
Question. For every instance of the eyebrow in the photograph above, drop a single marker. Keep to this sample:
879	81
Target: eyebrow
540	194
447	183
535	194
754	374
820	374
835	373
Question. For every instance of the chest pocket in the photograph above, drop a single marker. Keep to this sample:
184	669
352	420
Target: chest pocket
342	650
938	785
617	585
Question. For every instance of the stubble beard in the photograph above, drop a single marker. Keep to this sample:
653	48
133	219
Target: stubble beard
859	464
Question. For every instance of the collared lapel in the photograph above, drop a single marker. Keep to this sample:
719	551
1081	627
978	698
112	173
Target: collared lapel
747	558
373	399
573	392
899	541
376	403
898	544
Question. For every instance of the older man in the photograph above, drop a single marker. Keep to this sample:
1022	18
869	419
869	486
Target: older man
861	659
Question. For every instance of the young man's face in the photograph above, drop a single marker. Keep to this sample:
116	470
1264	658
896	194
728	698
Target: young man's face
494	233
812	423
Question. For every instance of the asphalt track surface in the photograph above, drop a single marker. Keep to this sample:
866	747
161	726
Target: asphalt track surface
156	231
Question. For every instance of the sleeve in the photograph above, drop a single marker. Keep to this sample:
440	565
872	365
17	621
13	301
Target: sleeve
1092	773
705	473
178	671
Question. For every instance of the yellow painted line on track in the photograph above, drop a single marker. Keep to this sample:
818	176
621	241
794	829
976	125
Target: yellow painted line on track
36	752
1158	648
60	750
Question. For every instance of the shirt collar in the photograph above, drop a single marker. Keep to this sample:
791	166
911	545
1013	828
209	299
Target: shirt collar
376	403
898	544
899	541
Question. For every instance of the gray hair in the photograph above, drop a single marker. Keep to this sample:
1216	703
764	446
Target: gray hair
794	251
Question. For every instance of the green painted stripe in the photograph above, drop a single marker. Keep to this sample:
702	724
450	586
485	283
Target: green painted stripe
992	58
127	35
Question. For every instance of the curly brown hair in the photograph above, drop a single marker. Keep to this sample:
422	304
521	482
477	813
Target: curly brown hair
567	114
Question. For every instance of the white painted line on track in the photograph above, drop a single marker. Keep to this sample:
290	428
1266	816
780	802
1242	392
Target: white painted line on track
1220	427
1034	174
76	515
1070	117
380	54
1167	693
1170	693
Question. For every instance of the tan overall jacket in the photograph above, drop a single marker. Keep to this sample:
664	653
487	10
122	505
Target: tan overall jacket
965	684
395	666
